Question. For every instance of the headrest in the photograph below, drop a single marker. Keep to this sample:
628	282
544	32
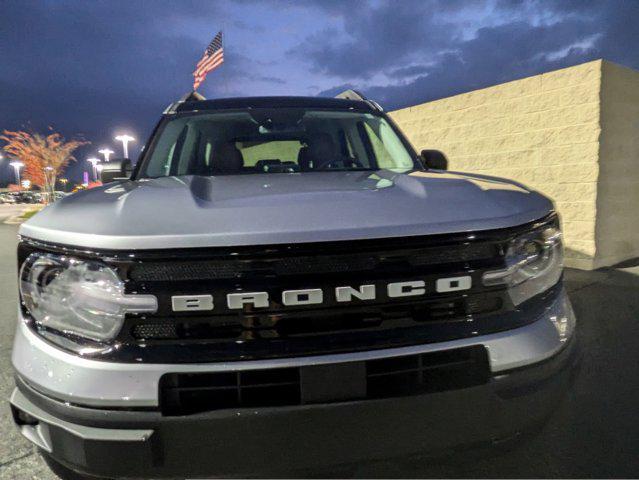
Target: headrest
304	159
227	159
322	148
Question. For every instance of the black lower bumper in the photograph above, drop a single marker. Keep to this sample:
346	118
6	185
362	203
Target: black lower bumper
266	441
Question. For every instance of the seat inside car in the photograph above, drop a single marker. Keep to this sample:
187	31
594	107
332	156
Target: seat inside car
226	159
321	149
304	159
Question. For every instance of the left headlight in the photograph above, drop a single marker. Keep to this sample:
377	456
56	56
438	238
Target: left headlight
534	263
77	297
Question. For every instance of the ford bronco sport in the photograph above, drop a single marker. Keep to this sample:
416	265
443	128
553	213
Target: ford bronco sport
282	283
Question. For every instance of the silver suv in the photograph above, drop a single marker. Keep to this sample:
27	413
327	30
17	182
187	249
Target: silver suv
285	283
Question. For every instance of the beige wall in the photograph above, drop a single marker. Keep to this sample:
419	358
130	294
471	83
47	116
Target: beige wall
546	132
617	228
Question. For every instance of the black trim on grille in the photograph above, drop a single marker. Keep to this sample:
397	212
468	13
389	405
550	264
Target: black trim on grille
189	393
185	270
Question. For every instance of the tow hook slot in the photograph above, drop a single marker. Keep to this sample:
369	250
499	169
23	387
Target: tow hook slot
32	429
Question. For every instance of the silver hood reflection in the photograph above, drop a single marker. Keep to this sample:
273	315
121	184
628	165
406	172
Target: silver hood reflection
261	209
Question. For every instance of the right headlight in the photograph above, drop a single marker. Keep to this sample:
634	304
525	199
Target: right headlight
76	297
534	263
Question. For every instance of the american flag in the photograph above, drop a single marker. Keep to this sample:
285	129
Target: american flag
213	58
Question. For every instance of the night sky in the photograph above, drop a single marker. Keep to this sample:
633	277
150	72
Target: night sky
97	68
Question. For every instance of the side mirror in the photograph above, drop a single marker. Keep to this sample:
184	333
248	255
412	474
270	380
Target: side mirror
119	169
434	160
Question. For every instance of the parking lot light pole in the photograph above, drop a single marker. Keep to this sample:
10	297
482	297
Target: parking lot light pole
107	153
94	162
125	139
17	165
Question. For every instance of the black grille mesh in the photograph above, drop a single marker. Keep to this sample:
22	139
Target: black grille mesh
189	393
155	330
450	254
305	323
227	269
189	270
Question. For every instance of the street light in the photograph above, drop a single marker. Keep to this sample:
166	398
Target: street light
125	139
94	162
107	153
17	165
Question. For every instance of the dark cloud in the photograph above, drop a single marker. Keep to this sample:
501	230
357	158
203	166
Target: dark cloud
619	26
376	39
266	78
410	71
514	50
332	7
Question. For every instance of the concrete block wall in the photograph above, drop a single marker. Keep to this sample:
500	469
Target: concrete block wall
546	132
617	226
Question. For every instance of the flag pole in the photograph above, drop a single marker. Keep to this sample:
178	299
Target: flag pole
226	77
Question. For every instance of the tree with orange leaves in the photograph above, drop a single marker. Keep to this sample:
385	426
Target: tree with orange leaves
44	157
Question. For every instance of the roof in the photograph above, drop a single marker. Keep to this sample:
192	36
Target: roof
272	102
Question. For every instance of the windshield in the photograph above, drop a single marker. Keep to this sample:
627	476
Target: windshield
275	141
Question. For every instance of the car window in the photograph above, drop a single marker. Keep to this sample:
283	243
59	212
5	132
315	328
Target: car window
274	141
388	149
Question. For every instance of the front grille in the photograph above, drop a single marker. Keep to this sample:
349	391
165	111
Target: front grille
223	334
189	393
277	331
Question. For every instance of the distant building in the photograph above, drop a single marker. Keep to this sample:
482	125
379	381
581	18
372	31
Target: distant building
572	134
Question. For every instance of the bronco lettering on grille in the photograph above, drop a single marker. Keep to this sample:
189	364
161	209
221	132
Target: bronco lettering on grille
315	296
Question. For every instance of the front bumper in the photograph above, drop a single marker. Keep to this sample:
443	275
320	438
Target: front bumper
93	383
130	442
266	441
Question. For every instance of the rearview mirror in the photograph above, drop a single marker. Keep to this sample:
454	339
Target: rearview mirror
434	160
118	169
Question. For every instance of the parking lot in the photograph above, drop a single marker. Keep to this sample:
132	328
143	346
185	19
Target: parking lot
594	433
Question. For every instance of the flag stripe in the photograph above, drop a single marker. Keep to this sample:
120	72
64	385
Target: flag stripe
209	67
209	61
201	73
203	76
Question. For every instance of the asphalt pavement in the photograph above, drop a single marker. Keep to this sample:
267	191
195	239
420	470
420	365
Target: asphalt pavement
593	433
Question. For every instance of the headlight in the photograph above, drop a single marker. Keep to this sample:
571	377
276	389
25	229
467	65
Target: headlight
77	297
534	262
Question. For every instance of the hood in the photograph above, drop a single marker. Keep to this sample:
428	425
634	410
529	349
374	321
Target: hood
262	209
